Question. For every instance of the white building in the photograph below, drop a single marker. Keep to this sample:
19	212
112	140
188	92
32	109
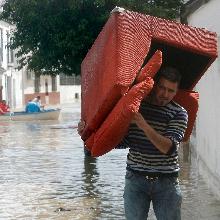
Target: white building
54	90
206	139
11	82
45	86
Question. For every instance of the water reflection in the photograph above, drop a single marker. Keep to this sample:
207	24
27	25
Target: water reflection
45	175
90	176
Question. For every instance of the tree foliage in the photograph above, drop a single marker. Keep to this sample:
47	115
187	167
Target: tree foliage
53	36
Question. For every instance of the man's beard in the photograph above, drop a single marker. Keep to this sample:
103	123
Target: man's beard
162	101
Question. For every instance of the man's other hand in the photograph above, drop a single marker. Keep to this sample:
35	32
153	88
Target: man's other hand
81	126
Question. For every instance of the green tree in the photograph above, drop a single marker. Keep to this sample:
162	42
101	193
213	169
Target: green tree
53	36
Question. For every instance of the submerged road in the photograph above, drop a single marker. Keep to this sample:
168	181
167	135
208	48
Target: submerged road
45	175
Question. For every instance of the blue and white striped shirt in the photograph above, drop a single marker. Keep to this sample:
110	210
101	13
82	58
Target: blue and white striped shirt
170	121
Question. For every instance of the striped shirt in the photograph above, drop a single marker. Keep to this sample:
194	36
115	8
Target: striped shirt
169	121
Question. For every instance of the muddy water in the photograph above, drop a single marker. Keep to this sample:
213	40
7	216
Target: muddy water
45	175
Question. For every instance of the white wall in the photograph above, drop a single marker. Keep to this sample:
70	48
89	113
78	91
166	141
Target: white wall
207	16
68	94
207	139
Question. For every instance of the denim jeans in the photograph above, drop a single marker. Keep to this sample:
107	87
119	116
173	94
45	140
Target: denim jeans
164	193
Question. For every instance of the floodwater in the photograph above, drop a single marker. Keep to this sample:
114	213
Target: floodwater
45	175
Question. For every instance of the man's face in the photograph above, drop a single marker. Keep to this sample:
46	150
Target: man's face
164	91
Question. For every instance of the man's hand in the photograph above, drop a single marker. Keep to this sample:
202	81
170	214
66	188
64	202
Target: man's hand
81	126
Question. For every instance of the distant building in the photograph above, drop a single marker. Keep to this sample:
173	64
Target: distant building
46	86
54	90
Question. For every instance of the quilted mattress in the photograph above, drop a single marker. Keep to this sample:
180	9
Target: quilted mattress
126	55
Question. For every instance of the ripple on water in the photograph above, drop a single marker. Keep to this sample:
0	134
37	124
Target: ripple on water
44	175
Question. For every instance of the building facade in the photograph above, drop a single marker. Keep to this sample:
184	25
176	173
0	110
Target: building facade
45	86
54	90
11	79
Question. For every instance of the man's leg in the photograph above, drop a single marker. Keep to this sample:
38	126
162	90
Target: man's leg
136	197
167	199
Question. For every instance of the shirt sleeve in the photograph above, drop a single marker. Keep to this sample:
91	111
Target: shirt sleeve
176	129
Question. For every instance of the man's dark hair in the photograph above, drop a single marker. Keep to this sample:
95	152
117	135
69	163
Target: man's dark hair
170	73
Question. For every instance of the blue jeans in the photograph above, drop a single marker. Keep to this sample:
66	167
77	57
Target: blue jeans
164	193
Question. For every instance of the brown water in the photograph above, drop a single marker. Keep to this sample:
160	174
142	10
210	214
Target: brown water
45	175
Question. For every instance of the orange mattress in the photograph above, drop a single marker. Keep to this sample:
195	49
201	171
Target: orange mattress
190	101
127	47
116	124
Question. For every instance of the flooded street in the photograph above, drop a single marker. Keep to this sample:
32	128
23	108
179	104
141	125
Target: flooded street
45	175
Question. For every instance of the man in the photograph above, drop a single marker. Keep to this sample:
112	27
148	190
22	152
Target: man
37	100
32	107
4	107
152	162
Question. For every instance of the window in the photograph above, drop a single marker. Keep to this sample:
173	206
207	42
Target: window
54	83
1	44
37	83
30	74
46	87
10	52
69	80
